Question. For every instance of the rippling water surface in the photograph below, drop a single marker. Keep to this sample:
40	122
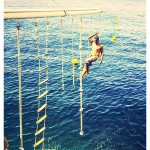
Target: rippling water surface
114	93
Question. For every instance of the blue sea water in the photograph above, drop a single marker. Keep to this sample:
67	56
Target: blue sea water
114	92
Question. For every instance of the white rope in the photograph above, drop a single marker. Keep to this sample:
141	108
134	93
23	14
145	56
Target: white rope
73	66
37	44
81	90
62	54
20	88
89	51
99	18
46	51
91	30
91	24
47	26
117	27
39	63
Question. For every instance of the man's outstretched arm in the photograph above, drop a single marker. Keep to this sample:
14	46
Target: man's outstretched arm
89	37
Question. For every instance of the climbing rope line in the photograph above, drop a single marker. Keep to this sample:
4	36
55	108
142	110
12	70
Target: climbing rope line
37	44
42	104
81	89
99	21
100	26
20	88
114	38
116	28
91	24
62	54
46	51
73	66
88	53
47	26
91	30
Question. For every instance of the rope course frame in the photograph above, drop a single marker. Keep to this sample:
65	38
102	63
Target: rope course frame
46	81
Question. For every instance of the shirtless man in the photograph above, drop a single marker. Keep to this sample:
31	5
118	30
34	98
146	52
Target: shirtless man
97	50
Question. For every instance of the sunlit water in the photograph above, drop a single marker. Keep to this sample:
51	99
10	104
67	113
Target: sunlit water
114	93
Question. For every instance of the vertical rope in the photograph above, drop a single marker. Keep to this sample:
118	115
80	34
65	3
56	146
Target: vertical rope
81	90
116	28
99	17
91	30
62	54
99	21
47	26
73	67
46	59
20	88
37	43
89	51
114	38
91	24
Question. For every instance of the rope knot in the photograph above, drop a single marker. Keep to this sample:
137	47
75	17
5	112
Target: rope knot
35	23
80	46
81	109
81	90
18	25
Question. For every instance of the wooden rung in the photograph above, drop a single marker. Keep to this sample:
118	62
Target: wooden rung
41	108
45	67
43	82
41	130
43	94
39	142
42	55
40	69
41	119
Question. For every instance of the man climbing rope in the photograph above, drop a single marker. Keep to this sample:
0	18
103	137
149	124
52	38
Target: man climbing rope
97	50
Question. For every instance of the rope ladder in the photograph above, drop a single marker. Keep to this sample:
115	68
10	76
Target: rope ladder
42	91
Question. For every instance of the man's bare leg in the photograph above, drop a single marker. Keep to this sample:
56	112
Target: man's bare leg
84	72
87	68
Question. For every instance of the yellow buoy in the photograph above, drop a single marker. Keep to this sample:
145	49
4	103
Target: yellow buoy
74	61
113	39
117	29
